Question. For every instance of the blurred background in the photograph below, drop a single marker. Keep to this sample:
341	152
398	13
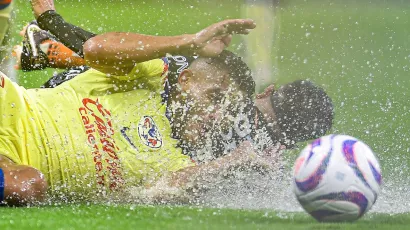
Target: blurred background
357	50
6	17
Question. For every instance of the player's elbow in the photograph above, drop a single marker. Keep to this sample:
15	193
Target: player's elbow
31	188
102	53
37	187
99	54
92	50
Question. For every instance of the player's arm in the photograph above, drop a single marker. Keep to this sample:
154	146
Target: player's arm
22	184
117	53
242	158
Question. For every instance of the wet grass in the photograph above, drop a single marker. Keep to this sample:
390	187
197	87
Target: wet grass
166	217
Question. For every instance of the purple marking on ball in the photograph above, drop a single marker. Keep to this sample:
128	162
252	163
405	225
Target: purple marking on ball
315	143
320	215
313	180
354	197
350	157
376	174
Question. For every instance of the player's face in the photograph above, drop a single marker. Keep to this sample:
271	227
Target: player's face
264	104
211	98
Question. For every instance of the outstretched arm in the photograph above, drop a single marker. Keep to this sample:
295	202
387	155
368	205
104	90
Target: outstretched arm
188	183
242	158
22	184
117	53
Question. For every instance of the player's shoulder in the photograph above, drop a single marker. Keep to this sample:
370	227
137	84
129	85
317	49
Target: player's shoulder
87	77
152	72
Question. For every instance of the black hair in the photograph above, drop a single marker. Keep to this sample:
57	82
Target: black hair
303	111
238	70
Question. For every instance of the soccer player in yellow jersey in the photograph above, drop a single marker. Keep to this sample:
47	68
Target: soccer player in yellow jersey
304	120
107	128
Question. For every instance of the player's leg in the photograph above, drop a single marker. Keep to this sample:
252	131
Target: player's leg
40	49
260	54
41	6
48	19
71	36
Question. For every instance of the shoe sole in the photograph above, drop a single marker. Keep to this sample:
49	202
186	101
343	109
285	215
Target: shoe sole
30	35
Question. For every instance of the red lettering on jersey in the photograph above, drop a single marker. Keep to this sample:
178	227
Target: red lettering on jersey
97	121
1	81
153	142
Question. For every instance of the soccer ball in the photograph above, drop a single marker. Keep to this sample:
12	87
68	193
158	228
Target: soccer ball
337	178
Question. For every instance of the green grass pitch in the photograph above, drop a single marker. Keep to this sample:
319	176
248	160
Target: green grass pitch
164	217
358	51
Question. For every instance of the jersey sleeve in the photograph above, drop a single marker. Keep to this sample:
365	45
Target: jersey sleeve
150	74
156	68
8	149
12	108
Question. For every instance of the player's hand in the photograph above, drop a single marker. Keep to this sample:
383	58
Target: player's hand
267	92
160	192
246	158
212	40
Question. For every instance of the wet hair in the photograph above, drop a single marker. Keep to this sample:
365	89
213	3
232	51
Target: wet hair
238	70
303	111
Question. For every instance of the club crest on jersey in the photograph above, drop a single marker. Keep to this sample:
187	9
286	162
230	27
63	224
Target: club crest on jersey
149	132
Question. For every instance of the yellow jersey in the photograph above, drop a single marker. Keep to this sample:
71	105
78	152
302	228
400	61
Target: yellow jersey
92	132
